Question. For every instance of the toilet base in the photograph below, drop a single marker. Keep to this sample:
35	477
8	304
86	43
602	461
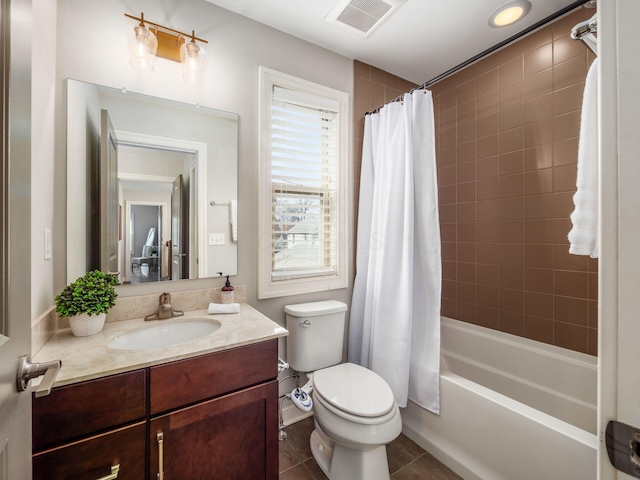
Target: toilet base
322	450
342	463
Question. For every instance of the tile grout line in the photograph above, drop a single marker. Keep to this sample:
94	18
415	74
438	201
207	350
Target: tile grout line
408	464
301	462
290	468
308	473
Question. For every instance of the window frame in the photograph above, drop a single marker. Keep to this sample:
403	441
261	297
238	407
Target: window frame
302	282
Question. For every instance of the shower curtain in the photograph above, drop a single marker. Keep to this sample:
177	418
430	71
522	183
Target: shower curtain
394	325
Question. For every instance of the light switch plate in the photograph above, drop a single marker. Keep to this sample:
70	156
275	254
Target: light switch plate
47	244
216	239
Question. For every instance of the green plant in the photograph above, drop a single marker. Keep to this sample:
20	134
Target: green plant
93	293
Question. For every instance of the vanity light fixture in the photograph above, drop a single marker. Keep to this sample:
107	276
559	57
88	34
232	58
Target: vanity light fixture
194	61
143	47
509	13
159	41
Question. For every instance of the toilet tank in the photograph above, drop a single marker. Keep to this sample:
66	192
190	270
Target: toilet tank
316	334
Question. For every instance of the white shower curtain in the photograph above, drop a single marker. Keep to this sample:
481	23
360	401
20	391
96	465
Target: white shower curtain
395	311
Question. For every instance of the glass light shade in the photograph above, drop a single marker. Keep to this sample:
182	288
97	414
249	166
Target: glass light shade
509	13
194	62
143	46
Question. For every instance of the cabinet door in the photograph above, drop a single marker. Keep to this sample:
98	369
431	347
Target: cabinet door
230	437
93	458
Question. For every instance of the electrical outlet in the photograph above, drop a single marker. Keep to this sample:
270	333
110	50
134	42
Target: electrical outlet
216	239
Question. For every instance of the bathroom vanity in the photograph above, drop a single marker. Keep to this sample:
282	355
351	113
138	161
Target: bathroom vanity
201	409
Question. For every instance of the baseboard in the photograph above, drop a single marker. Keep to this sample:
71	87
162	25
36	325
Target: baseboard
291	414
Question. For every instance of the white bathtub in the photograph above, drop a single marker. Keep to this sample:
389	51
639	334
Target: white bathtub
511	408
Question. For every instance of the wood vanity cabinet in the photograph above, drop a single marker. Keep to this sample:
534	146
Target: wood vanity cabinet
231	437
215	414
80	431
230	428
94	457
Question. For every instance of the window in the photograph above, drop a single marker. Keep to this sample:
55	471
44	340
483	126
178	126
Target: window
303	186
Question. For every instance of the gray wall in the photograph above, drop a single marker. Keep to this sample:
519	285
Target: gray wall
96	51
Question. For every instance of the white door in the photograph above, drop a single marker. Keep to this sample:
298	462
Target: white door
177	247
619	276
15	244
109	207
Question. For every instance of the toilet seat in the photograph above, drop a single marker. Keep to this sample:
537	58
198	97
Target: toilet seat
355	393
354	418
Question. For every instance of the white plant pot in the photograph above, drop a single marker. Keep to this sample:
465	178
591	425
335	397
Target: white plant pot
84	324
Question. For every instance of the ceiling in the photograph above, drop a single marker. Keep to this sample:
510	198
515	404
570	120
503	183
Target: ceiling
419	41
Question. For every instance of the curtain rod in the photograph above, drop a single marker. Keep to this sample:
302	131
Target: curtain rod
489	50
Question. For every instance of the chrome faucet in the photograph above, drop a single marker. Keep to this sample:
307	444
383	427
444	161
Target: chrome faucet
164	309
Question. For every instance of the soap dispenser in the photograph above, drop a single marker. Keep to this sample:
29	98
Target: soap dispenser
228	294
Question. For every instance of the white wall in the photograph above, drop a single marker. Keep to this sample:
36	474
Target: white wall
92	46
83	115
44	200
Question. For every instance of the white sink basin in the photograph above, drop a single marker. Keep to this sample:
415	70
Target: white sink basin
163	334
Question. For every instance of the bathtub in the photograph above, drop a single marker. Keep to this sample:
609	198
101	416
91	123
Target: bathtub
510	408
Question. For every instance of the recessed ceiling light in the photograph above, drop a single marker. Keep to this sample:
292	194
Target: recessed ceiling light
509	13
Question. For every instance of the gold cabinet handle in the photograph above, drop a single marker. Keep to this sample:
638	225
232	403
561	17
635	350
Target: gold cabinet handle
160	438
114	473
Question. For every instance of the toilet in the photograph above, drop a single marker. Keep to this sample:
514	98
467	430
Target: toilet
355	413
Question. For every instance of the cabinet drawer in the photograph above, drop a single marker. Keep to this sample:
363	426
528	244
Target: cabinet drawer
184	382
92	458
76	411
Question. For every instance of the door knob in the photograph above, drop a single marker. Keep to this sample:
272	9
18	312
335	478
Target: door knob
28	370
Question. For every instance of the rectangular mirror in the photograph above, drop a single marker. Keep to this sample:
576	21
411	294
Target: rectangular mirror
152	186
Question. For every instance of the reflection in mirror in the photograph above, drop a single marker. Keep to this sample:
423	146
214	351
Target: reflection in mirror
152	197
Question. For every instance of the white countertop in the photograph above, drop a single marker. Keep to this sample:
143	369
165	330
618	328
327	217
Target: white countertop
86	358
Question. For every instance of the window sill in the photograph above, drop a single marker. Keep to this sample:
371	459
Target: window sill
284	288
298	274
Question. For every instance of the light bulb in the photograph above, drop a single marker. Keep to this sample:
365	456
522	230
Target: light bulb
194	62
143	46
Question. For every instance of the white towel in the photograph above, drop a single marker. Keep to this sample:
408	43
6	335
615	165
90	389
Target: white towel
583	237
224	308
233	219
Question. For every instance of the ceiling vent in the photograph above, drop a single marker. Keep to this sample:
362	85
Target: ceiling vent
362	16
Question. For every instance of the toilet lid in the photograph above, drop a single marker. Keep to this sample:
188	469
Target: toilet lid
354	389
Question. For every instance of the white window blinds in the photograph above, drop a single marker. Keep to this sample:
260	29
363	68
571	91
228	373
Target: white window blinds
304	184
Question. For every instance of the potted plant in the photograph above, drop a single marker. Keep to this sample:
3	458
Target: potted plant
86	302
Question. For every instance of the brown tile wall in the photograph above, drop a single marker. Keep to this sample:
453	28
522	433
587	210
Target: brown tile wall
372	88
507	139
507	131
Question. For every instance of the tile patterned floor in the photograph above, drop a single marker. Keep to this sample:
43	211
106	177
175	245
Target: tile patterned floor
407	461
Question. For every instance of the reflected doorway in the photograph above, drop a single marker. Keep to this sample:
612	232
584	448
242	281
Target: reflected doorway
158	200
145	243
